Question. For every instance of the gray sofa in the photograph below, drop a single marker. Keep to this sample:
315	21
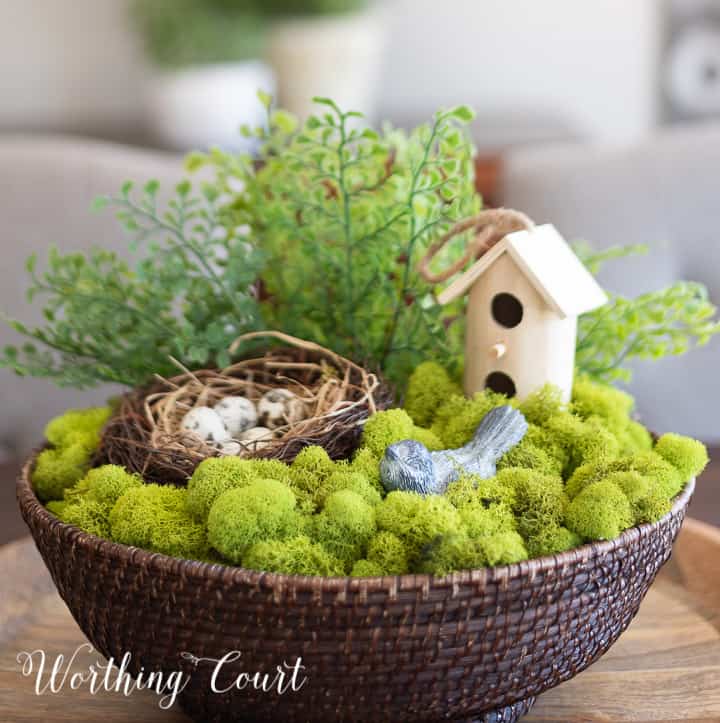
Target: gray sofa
662	192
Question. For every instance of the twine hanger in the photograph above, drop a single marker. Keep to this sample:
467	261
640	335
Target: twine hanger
491	226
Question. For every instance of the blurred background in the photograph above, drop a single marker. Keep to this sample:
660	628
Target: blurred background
602	117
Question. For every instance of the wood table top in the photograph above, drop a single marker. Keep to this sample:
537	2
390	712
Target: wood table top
666	667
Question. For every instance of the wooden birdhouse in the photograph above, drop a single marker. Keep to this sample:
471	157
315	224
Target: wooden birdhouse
525	295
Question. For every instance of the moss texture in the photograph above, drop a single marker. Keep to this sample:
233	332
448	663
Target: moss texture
260	511
429	387
294	556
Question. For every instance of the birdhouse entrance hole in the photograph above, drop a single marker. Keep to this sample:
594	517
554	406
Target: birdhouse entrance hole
507	310
501	383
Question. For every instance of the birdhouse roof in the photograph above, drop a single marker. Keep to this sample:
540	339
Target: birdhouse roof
550	265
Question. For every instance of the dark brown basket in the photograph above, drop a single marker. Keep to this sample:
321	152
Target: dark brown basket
477	645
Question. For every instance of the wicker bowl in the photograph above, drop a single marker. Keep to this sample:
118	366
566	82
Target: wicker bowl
476	645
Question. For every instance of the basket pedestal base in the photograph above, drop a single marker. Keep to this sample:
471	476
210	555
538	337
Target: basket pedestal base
508	714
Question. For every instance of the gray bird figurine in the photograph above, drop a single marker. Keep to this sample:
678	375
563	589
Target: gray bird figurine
410	466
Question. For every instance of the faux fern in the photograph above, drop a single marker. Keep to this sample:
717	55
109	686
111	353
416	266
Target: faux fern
343	214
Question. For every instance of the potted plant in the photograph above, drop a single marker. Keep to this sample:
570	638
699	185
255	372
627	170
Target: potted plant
206	70
427	550
325	47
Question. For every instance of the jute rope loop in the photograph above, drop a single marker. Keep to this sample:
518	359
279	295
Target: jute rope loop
490	227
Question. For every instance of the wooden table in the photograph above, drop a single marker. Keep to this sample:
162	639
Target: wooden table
666	667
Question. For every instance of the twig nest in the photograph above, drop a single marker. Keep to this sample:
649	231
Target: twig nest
238	414
257	438
206	424
280	407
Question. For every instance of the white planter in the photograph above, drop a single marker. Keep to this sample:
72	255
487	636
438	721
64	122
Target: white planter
205	106
337	57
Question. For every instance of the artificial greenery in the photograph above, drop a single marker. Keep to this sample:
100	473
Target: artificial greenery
325	517
343	214
669	321
187	297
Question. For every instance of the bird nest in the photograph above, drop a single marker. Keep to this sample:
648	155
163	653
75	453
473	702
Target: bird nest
145	434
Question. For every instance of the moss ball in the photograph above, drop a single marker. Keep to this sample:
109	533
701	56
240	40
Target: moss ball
57	507
503	548
428	438
214	476
471	490
77	425
665	477
428	388
293	556
651	508
57	469
417	520
600	512
155	517
260	511
89	515
368	465
542	404
688	456
388	552
308	473
540	500
591	399
345	526
105	484
634	486
530	456
450	553
344	478
385	428
552	540
366	568
635	438
480	521
586	475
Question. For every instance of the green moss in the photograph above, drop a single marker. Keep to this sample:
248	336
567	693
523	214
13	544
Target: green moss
88	503
586	475
688	456
664	476
503	548
155	517
552	540
368	465
551	444
366	568
344	478
457	420
584	441
427	437
530	456
57	507
293	556
600	512
471	490
546	402
428	388
481	521
345	526
450	553
634	486
260	511
651	508
540	500
388	552
308	473
385	428
613	406
635	438
77	425
57	469
417	520
88	515
214	476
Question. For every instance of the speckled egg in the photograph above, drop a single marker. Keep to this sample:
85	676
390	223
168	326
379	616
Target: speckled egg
231	448
238	414
256	438
205	423
279	407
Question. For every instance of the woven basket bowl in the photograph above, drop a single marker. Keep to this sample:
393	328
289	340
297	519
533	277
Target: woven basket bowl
472	646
